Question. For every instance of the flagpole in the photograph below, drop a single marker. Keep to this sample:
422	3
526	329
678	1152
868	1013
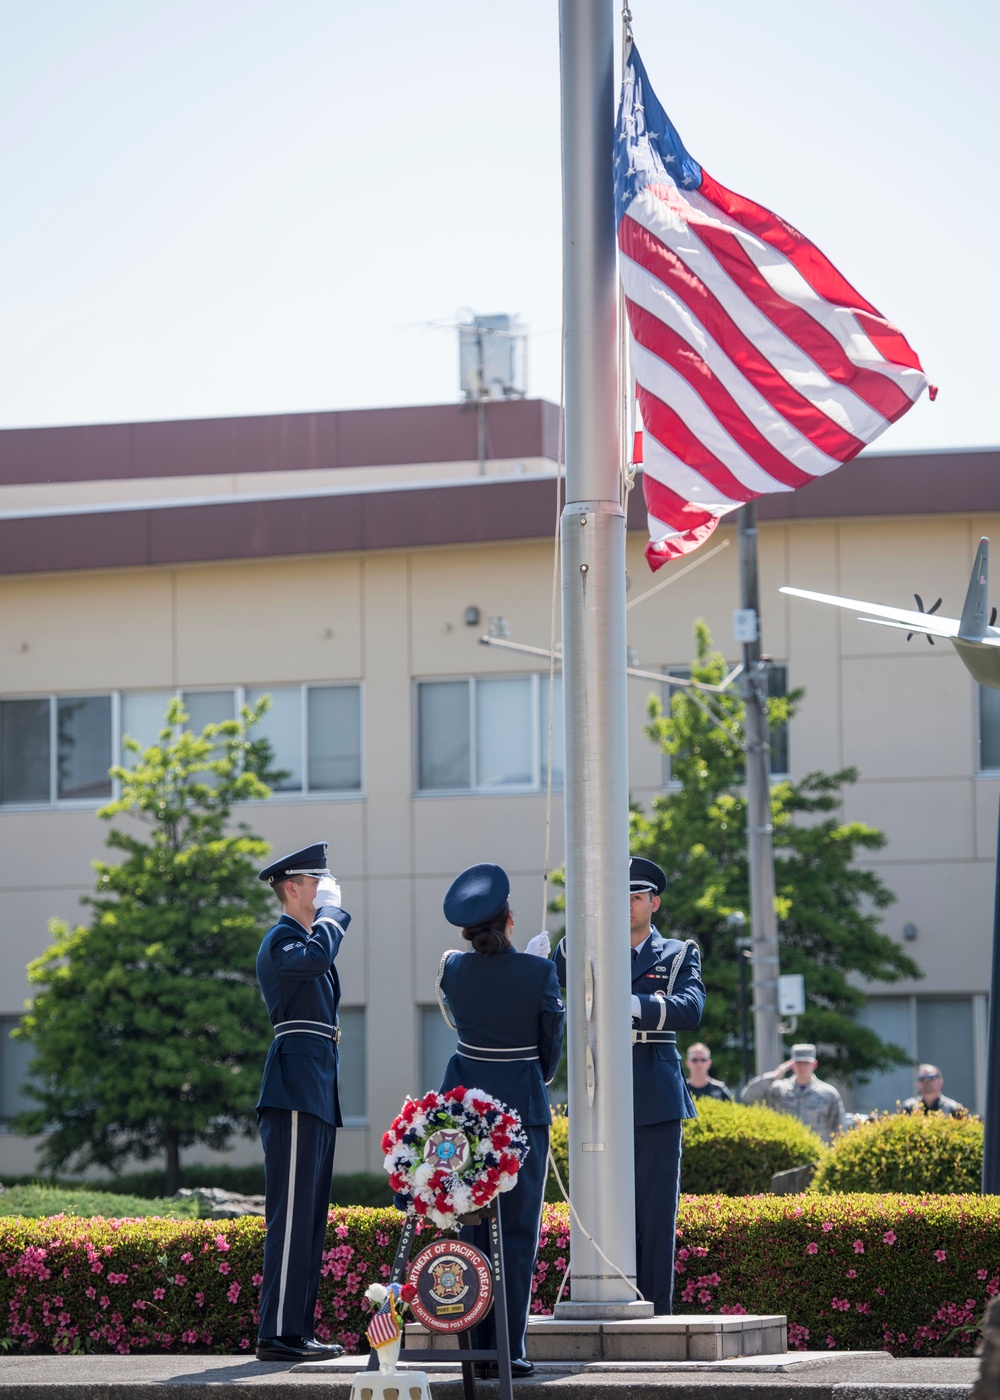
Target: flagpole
601	1155
768	1051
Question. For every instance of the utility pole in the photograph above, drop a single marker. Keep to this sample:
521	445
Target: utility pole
760	850
594	689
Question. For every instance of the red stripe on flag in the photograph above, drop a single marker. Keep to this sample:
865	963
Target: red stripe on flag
672	509
814	266
661	262
882	394
660	552
664	424
664	342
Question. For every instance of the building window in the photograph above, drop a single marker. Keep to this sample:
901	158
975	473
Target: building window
314	730
488	734
437	1045
15	1061
56	749
777	685
940	1031
353	1078
59	749
989	729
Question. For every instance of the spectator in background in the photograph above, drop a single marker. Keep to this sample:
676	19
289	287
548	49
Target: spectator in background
812	1101
702	1086
929	1098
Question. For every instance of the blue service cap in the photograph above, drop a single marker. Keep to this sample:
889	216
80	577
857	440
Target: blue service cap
476	895
311	860
645	876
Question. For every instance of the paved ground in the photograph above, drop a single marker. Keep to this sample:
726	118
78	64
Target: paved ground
793	1376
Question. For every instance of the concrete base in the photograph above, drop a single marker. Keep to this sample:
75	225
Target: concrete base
603	1312
691	1337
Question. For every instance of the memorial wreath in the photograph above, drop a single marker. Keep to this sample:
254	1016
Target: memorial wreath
448	1155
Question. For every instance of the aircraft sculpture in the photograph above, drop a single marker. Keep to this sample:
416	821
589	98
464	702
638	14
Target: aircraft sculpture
976	640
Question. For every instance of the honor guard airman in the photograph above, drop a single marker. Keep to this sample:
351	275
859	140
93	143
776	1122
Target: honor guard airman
299	1107
667	996
506	1008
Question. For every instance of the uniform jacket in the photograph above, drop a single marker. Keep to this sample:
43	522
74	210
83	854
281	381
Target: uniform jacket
299	982
659	1091
508	1001
818	1105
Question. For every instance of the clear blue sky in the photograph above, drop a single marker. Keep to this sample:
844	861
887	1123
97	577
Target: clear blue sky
239	206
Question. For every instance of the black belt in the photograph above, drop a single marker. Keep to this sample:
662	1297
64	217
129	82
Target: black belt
654	1037
498	1057
320	1028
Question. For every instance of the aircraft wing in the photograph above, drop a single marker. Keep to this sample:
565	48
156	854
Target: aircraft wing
905	618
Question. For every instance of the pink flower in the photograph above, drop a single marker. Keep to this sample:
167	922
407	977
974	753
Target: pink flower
189	1337
981	1273
221	1242
852	1273
91	1292
889	1238
257	1280
225	1267
812	1247
859	1247
233	1291
244	1342
940	1255
342	1232
180	1280
159	1293
827	1226
186	1257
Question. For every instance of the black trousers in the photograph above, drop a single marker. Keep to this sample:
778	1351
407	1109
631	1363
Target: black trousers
298	1165
657	1188
520	1221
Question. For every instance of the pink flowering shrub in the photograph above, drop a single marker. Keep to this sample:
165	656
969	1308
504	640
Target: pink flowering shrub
918	1284
907	1274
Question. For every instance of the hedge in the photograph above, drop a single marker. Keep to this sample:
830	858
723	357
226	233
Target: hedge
734	1150
347	1188
923	1152
729	1149
905	1273
39	1199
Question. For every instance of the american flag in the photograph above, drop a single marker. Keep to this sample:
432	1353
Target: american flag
384	1326
757	366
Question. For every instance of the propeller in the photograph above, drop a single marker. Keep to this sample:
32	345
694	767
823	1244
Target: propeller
993	616
928	611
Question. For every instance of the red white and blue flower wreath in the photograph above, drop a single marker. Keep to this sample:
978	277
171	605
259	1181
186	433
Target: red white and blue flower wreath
450	1154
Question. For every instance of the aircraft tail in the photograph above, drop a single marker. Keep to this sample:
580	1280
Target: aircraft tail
973	621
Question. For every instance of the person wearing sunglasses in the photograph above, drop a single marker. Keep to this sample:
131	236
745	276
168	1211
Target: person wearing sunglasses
702	1086
929	1098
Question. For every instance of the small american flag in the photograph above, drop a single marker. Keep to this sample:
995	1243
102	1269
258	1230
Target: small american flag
384	1326
757	366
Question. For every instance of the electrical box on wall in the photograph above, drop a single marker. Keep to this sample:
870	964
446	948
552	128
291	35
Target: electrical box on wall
791	994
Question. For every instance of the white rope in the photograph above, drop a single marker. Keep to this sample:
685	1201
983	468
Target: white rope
588	1236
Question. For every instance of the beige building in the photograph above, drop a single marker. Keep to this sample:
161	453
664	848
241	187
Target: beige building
348	564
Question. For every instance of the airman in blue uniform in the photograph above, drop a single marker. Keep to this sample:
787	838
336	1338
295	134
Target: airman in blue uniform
299	1107
506	1008
667	996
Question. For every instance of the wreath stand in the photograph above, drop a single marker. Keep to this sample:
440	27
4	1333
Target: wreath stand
469	1354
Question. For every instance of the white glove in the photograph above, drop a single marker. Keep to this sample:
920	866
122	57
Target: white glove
327	892
540	946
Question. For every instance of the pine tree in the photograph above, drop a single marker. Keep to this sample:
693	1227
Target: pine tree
148	1027
828	908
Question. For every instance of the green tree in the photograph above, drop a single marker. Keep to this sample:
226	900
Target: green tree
148	1027
828	907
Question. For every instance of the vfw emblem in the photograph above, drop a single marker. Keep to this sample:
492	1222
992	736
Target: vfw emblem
449	1283
448	1148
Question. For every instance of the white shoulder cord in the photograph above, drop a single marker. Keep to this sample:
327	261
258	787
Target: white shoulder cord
442	1003
678	962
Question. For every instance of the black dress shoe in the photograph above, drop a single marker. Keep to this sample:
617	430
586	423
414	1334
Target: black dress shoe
490	1370
323	1351
291	1350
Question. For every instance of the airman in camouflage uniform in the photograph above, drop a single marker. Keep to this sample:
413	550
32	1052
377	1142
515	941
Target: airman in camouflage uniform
812	1101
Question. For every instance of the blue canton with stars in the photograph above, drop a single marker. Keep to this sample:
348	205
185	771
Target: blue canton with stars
648	149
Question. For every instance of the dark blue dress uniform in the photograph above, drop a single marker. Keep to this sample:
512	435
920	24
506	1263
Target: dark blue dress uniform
666	979
299	1106
509	1017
